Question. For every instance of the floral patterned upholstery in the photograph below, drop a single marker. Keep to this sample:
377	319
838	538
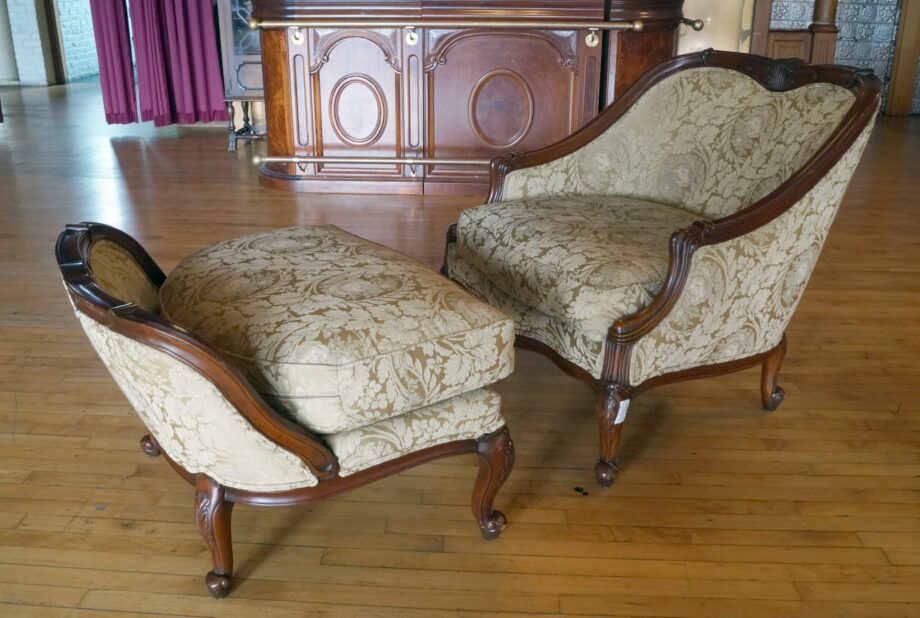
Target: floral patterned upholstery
202	432
587	260
707	140
121	277
702	144
335	331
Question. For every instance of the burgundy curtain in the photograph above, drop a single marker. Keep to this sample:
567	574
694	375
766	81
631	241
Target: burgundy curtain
113	49
178	70
151	62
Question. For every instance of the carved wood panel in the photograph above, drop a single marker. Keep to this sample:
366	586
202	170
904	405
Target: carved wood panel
491	91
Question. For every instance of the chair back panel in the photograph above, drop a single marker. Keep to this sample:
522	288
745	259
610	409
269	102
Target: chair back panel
741	294
710	140
119	275
194	423
191	420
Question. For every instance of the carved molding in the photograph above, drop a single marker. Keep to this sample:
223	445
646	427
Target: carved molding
563	42
527	97
324	40
335	120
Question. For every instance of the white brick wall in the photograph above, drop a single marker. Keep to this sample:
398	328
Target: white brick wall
77	40
31	44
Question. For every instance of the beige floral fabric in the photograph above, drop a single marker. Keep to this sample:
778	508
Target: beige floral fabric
587	260
335	331
201	431
119	276
191	420
741	294
468	416
561	335
707	140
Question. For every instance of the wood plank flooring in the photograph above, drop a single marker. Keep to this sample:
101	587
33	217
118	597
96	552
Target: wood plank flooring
720	508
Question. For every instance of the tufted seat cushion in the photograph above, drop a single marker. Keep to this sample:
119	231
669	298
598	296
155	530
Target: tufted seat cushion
586	261
335	331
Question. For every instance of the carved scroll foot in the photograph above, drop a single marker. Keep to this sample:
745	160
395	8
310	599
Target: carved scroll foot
606	472
212	513
149	446
611	407
771	394
496	458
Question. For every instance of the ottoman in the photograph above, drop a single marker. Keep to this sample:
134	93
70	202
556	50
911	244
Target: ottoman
295	364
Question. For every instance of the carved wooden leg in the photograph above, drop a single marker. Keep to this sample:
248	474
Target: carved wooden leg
612	404
496	457
771	393
212	511
149	446
231	126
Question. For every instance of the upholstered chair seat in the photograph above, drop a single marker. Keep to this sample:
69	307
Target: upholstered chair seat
337	332
587	260
292	365
674	235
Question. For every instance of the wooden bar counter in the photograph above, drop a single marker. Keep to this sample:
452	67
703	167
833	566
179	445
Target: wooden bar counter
443	92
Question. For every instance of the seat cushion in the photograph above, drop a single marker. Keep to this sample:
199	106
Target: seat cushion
467	416
335	331
585	260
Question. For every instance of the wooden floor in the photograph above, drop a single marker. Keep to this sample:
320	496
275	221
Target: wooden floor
720	509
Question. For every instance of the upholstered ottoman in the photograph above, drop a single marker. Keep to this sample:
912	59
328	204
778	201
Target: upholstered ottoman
292	365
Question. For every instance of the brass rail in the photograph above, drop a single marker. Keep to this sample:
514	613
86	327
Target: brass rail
635	26
257	160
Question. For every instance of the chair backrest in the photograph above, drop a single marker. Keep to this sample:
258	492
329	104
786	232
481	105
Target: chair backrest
169	377
711	133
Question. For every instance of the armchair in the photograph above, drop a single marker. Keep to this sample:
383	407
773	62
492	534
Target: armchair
672	237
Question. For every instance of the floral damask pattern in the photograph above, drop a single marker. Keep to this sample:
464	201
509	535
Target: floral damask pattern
468	416
192	422
202	432
561	335
710	141
587	260
120	276
707	140
741	294
335	331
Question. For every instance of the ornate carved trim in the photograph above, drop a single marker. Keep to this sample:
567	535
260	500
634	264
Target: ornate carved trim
440	43
324	40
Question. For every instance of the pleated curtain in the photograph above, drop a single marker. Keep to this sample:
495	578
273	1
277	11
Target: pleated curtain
178	69
113	49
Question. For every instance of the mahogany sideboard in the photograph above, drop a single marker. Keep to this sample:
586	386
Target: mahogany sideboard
440	92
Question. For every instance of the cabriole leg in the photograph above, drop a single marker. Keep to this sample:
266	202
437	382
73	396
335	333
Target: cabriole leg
212	512
496	458
771	393
612	405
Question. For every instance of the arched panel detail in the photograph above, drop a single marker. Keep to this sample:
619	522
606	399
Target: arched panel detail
359	93
560	42
325	40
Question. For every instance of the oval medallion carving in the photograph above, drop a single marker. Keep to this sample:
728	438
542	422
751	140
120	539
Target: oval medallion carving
358	110
501	109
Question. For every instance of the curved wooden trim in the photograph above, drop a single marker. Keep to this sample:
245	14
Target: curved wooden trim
706	371
72	251
341	484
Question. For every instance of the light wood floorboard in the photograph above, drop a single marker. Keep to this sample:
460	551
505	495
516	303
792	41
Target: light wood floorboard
720	509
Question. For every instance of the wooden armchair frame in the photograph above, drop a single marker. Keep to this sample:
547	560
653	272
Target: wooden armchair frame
615	386
213	501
